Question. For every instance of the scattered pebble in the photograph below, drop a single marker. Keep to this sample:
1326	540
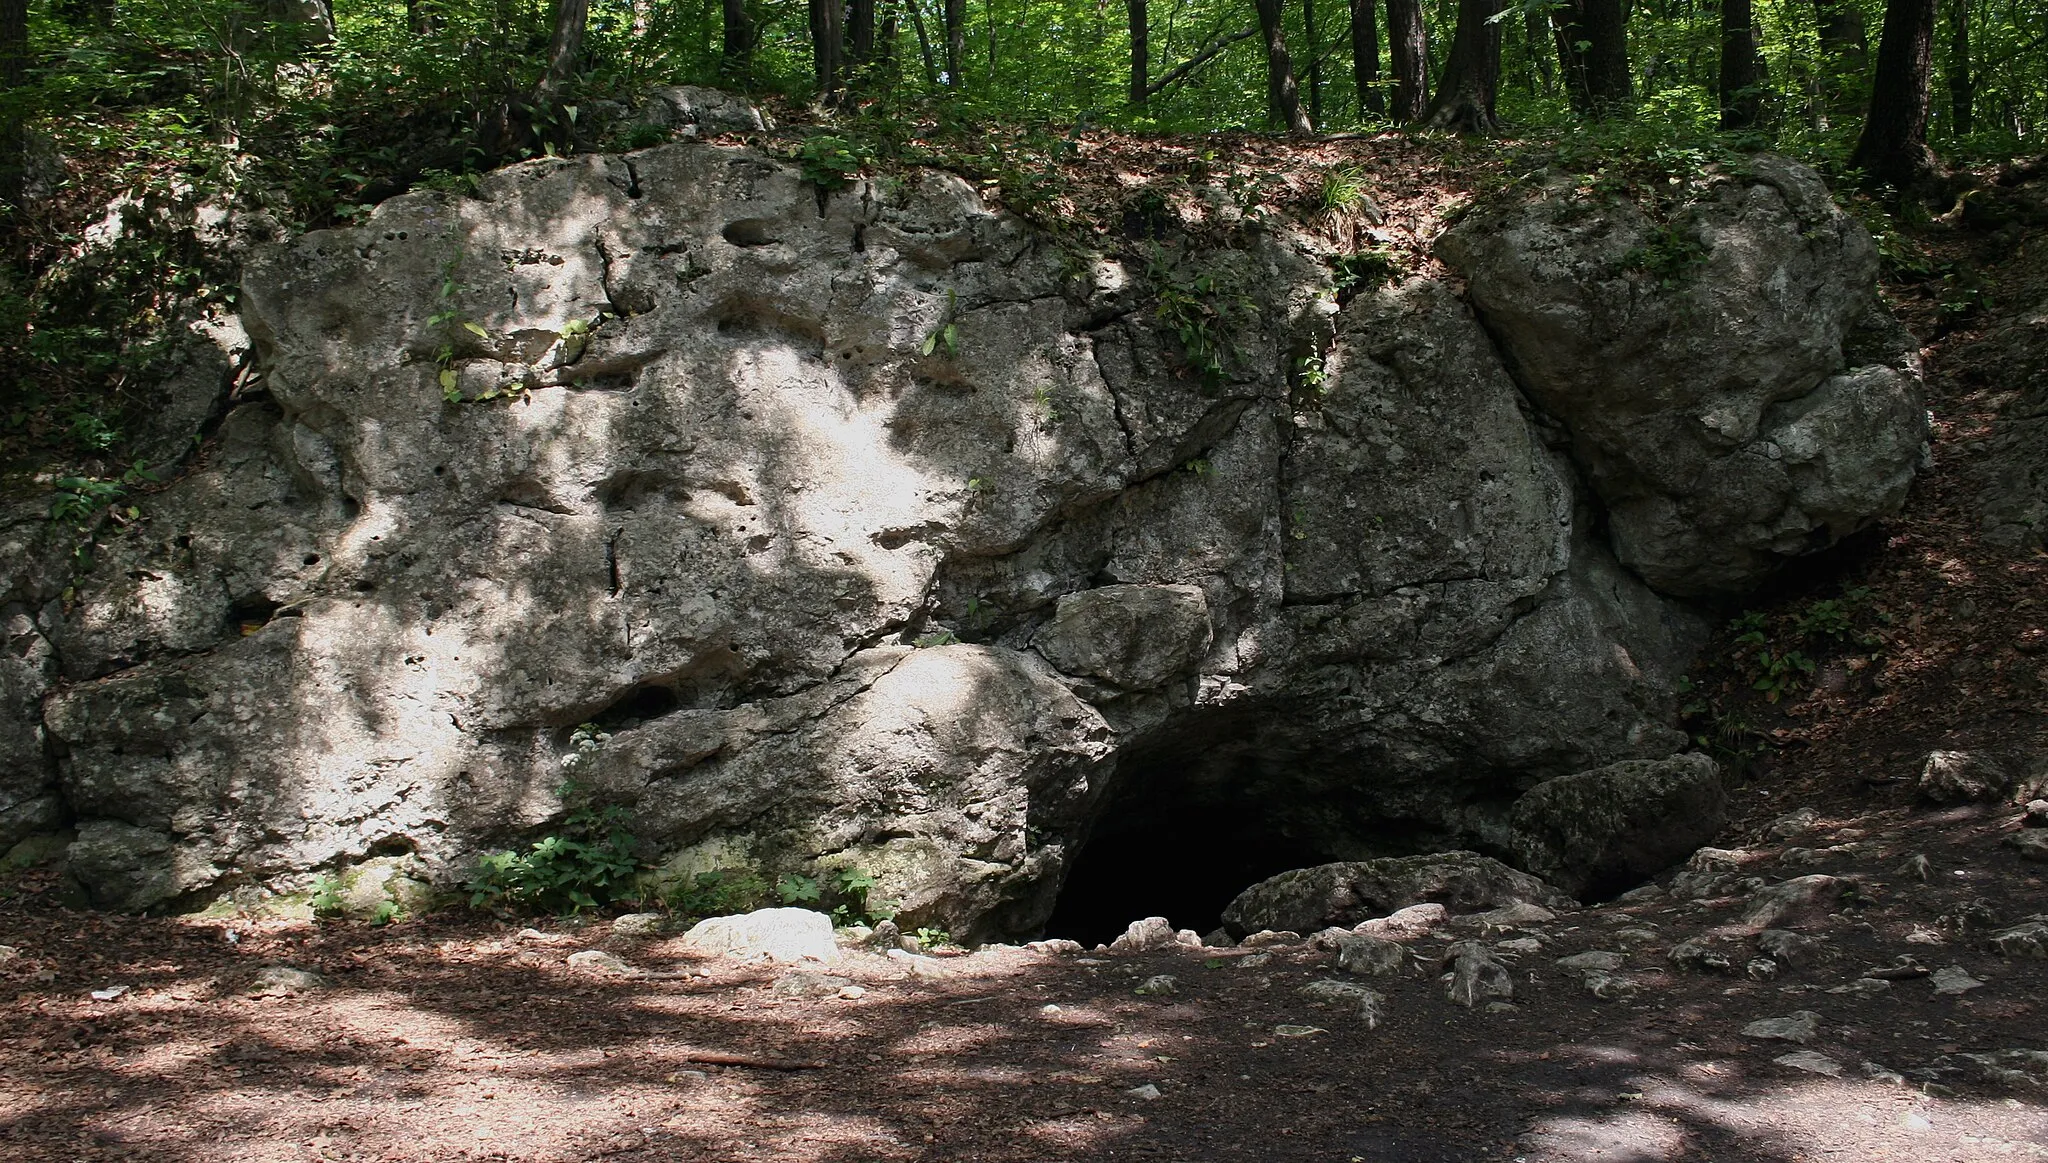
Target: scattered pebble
285	979
598	961
1286	1030
1159	985
1810	1062
1145	1093
1953	981
1591	959
109	993
1801	1026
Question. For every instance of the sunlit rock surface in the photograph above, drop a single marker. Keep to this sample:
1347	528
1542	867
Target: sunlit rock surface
848	518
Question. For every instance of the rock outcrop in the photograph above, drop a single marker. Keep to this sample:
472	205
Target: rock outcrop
870	529
1732	388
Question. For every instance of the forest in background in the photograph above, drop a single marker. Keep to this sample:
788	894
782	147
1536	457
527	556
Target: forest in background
313	111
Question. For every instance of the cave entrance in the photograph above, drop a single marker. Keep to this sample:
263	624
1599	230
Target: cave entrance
1180	839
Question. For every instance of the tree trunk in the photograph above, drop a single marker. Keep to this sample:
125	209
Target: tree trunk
1471	80
1607	72
1283	95
1566	24
13	74
566	49
1742	73
1365	57
1893	148
924	44
1962	83
1408	46
956	42
738	50
1533	28
860	34
1315	62
1141	51
1844	53
828	45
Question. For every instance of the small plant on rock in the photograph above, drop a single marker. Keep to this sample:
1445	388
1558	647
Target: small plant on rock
590	863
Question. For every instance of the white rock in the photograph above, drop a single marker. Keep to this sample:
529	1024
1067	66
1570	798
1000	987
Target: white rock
1801	1026
1591	959
1268	938
598	961
2028	940
638	925
285	979
1144	936
1370	956
1810	1062
805	984
1406	924
1609	986
1159	985
1953	981
1147	1092
778	934
1519	946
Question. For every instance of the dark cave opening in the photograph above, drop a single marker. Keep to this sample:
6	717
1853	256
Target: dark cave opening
1179	843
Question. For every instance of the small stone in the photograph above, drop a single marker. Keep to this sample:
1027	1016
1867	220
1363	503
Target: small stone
1918	867
1254	960
1802	897
108	994
1922	935
1159	985
1219	939
1406	924
1592	959
639	925
1187	939
1144	936
2028	940
1329	938
779	934
1519	946
1636	938
1287	1030
1810	1062
1333	990
2031	844
852	993
1863	987
2037	814
1960	777
1793	823
1609	986
1519	915
598	961
1953	981
1801	1026
1698	955
8	953
1145	1093
1904	967
1057	946
1476	975
285	979
1048	1009
1761	969
1370	956
1799	857
1640	895
1268	938
1879	1073
808	985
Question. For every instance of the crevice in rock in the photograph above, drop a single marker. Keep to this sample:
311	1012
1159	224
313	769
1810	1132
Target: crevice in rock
641	703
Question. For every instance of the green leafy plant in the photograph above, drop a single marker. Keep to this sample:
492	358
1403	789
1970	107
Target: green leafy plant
713	893
1365	270
1201	310
590	863
1343	189
932	937
1670	254
947	333
798	890
326	900
829	161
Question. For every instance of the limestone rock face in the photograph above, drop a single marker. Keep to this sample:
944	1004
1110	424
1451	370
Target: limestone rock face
1609	829
1731	387
862	530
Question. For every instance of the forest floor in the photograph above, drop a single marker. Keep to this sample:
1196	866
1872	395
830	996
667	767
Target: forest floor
461	1037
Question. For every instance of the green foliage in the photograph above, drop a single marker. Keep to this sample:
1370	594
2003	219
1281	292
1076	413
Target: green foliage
1366	270
715	893
1343	189
589	864
1201	310
327	900
934	938
1670	255
831	162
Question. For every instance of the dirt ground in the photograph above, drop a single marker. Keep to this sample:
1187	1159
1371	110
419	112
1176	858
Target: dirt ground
460	1037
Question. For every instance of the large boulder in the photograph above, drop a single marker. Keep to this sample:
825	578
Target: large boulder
1347	892
853	530
1600	832
1732	388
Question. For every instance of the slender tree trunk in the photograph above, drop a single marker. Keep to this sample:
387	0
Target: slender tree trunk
924	44
738	50
1742	74
1607	71
860	35
565	51
1893	148
1533	29
13	74
1365	57
1408	46
1566	24
828	46
1466	92
956	42
1844	54
1962	83
1283	95
1315	62
1141	51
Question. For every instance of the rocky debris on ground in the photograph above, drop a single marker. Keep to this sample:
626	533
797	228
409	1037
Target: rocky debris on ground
1153	933
1796	950
2037	814
1406	924
1146	1093
639	926
1158	985
808	984
1370	956
1957	777
1713	872
1270	939
1810	1062
1792	824
1599	831
598	961
1476	975
1701	955
2027	940
1801	1026
780	934
1592	959
2031	844
1346	893
1368	1004
283	979
1953	981
1799	901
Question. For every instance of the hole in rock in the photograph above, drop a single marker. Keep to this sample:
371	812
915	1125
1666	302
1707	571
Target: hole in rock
251	614
749	232
636	706
1179	844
